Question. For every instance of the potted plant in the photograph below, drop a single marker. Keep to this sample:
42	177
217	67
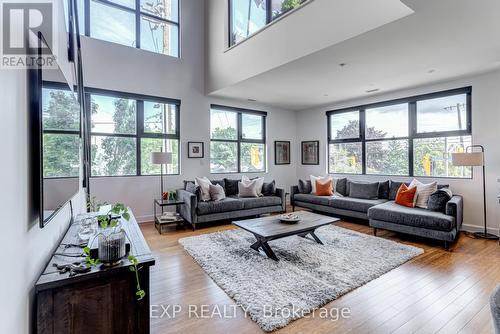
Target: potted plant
111	239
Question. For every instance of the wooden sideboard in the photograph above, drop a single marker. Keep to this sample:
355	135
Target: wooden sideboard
100	301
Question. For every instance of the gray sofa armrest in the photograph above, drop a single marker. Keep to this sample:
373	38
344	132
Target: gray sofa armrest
280	192
293	191
455	208
188	209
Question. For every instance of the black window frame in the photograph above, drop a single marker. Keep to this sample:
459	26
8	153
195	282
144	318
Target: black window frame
60	86
138	13
239	138
269	19
412	128
139	133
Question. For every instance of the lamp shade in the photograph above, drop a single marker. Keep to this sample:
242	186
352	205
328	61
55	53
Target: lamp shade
468	159
161	158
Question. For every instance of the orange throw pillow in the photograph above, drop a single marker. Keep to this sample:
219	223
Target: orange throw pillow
405	196
324	189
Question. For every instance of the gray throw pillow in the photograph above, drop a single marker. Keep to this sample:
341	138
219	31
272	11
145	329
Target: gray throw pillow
231	187
383	190
363	190
393	189
217	192
269	188
341	186
305	187
248	189
438	199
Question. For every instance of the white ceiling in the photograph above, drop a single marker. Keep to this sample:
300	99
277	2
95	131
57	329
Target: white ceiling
444	39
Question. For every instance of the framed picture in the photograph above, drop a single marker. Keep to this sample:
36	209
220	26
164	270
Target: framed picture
196	150
310	152
281	152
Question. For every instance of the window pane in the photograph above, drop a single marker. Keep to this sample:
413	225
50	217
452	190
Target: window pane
247	17
126	3
223	157
112	156
442	114
344	125
159	117
166	9
223	124
388	157
345	158
113	115
160	37
432	156
60	110
81	15
387	122
282	6
61	155
112	24
252	157
149	145
252	126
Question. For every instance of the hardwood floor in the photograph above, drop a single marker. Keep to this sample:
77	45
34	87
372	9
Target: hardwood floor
437	292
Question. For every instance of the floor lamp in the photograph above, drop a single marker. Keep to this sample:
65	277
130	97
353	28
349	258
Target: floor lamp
161	158
471	158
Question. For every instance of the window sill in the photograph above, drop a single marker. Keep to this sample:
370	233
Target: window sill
267	26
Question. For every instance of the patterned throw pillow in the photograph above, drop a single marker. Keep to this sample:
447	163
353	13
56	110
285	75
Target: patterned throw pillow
217	192
423	192
305	187
269	188
248	189
438	199
405	196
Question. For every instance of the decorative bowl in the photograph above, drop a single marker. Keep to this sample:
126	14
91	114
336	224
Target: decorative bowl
289	218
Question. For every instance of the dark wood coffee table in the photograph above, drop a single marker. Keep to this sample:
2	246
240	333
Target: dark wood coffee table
271	228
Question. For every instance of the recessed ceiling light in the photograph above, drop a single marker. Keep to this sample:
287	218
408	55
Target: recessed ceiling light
325	95
372	90
342	64
252	100
431	71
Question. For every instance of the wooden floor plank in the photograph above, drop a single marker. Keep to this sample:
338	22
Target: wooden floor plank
436	291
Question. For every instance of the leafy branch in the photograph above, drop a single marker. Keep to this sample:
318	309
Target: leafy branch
134	268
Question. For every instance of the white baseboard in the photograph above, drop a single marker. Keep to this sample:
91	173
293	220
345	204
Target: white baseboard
477	228
144	219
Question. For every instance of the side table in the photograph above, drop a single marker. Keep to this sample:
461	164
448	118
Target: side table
159	223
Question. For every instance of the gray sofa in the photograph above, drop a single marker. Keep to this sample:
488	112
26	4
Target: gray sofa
382	212
195	211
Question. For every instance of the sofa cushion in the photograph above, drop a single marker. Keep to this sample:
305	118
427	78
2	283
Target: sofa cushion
227	204
260	202
415	217
383	190
341	186
363	190
310	198
231	187
354	204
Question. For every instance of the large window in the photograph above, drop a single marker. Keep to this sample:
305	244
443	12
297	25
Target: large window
125	129
238	141
246	17
61	132
410	137
151	25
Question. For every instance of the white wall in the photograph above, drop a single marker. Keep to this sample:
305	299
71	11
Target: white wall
120	68
312	125
25	247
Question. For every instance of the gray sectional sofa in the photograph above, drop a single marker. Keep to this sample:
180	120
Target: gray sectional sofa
382	212
195	211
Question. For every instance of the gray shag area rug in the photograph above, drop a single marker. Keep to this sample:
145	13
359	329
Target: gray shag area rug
307	276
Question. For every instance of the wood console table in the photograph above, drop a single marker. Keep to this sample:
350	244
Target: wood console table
100	301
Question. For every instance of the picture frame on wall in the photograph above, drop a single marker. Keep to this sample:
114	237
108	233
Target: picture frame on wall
282	152
310	152
196	150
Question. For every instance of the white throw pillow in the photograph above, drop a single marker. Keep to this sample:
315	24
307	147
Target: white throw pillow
424	191
322	179
259	181
247	189
217	193
204	184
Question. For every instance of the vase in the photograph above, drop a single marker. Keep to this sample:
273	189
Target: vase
111	246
